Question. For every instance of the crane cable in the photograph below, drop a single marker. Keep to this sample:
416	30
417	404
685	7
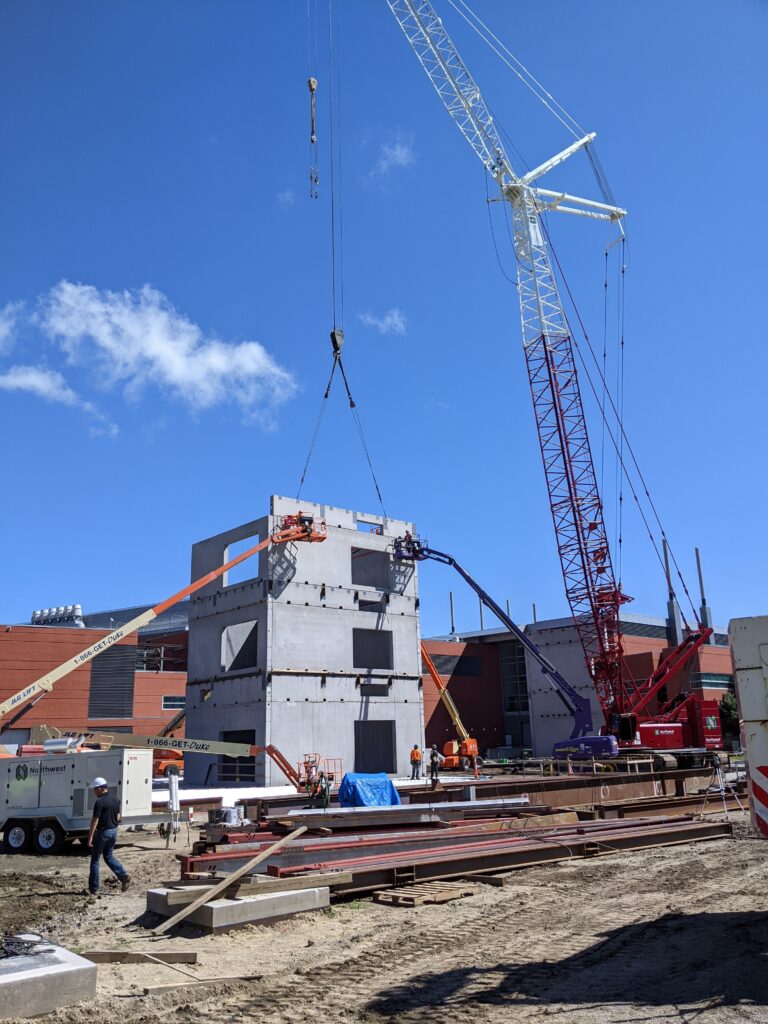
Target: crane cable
542	94
337	280
515	65
314	174
625	439
574	128
620	401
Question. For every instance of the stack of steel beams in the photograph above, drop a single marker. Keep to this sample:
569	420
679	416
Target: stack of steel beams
380	860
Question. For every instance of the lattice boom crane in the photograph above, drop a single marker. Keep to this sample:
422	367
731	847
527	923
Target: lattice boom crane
577	512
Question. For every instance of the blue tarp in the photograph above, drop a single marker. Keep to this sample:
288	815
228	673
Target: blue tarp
367	790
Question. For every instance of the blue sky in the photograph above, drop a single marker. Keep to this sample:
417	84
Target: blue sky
166	302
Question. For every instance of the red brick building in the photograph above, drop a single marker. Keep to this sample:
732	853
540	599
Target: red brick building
471	672
504	700
126	688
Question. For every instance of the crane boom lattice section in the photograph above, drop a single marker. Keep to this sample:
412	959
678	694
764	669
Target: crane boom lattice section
454	85
577	511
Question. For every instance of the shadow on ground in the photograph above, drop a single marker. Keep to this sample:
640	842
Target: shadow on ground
711	959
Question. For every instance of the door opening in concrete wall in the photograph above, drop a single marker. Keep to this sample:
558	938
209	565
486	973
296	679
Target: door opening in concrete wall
240	647
372	648
370	568
237	769
375	746
245	570
364	526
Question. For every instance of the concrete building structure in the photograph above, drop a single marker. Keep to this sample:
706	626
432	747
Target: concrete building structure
316	651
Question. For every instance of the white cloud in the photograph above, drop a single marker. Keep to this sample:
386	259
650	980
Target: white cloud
435	405
51	386
138	340
9	316
396	153
287	197
394	321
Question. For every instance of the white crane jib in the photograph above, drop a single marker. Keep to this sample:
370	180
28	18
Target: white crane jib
464	102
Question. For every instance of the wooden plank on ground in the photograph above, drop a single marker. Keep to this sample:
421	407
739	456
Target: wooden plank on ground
426	892
134	956
182	895
211	894
155	990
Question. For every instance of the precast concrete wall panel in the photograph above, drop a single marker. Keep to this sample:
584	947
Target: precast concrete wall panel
306	692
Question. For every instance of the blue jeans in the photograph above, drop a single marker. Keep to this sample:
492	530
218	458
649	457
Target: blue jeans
104	840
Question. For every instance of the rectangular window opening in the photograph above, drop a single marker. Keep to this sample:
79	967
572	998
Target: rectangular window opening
372	648
172	702
240	647
377	606
374	689
370	568
246	570
363	526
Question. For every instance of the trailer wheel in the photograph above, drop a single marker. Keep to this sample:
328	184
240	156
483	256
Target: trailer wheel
49	838
171	769
17	837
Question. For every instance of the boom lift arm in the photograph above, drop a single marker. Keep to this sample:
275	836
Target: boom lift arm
293	528
106	740
409	548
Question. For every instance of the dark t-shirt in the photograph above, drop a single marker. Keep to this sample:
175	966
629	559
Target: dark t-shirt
107	810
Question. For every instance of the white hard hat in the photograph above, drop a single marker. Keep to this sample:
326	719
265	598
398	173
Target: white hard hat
98	783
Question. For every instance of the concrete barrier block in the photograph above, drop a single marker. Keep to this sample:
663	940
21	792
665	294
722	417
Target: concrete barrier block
41	982
230	913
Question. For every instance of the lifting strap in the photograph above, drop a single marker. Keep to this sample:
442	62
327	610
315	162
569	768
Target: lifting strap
337	343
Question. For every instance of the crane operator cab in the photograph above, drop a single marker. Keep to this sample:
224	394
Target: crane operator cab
409	547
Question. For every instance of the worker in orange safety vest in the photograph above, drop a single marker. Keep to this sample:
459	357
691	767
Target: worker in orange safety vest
416	762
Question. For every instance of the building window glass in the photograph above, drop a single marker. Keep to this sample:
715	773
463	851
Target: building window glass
514	682
172	702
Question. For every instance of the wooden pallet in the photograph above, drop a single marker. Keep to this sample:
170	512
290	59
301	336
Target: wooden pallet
426	892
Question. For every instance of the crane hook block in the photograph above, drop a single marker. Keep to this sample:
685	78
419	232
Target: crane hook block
337	340
312	83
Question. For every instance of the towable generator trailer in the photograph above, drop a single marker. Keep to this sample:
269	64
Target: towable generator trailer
48	798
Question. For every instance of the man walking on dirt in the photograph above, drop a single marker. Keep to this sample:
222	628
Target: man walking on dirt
416	762
102	836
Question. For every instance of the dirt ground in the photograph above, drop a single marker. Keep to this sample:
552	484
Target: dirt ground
673	934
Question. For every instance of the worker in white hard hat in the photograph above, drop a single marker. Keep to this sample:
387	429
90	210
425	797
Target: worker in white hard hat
102	836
